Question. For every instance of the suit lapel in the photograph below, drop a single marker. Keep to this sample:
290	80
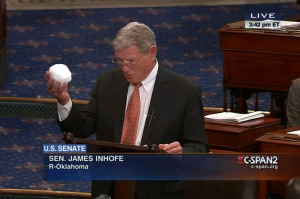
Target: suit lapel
119	106
160	92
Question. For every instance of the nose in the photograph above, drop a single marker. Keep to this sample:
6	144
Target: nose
125	67
125	63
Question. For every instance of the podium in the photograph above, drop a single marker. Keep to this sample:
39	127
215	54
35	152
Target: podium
123	189
252	62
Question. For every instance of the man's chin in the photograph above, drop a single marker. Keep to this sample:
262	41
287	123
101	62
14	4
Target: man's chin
131	80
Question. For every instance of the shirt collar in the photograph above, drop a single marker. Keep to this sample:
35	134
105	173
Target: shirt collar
148	83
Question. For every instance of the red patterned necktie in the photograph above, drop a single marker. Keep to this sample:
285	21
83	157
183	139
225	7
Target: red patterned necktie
132	116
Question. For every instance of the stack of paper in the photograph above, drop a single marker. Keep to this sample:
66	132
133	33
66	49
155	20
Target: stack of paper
293	136
235	117
294	133
290	25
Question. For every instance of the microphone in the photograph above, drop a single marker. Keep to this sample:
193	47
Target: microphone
103	196
152	116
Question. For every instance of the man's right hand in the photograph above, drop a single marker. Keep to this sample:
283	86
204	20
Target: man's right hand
58	91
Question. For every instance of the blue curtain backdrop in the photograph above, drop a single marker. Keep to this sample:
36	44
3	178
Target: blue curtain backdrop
187	37
188	43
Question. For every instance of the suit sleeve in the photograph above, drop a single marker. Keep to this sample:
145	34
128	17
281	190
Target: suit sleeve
82	124
194	137
293	104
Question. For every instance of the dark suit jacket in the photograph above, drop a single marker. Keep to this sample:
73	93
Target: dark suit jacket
178	117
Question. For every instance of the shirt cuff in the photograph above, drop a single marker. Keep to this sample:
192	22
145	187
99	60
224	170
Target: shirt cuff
64	111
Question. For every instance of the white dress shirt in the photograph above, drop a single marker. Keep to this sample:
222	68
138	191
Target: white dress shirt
145	96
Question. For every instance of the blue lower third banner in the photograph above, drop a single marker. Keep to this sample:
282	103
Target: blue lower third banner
171	166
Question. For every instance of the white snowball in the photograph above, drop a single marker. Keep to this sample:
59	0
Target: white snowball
60	73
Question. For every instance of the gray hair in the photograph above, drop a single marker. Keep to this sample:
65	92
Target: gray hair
137	34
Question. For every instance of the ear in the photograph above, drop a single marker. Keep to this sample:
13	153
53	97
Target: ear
153	51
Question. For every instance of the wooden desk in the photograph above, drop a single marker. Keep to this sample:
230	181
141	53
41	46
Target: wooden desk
224	137
279	146
276	146
238	136
256	60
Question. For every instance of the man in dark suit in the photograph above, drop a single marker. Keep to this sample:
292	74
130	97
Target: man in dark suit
171	110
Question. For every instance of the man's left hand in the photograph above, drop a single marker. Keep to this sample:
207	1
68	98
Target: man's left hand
173	147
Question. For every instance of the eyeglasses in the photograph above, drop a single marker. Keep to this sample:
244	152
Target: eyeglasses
130	63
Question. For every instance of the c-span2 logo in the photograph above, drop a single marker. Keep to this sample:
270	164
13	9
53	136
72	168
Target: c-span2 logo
259	162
